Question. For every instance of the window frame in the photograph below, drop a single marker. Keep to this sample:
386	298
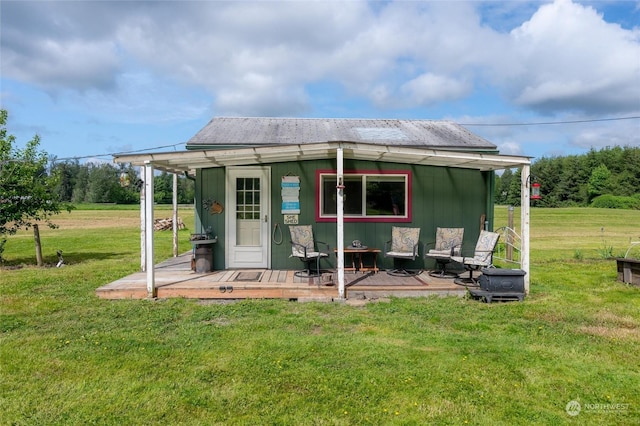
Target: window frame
407	217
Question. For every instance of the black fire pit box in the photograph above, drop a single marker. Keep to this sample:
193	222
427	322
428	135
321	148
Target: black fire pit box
500	284
502	280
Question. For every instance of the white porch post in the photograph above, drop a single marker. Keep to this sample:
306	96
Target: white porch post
175	215
148	207
340	221
525	209
143	251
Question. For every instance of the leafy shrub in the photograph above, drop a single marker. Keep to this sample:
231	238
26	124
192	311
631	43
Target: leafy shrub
609	201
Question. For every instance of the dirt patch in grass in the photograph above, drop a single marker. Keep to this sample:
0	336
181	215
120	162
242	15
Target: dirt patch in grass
222	322
613	326
615	333
609	318
90	219
553	317
107	220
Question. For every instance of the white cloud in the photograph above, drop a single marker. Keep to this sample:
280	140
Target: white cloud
510	148
566	57
431	88
259	58
600	135
54	64
139	97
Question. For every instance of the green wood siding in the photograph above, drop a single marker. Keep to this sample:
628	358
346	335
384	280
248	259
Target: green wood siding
441	197
210	185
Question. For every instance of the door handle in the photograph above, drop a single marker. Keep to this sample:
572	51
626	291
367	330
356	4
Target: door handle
265	218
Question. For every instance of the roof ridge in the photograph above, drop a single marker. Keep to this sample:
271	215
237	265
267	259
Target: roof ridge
332	118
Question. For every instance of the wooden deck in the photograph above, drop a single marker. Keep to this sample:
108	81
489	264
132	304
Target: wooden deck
174	278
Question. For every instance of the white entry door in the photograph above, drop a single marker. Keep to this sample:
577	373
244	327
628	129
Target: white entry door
248	220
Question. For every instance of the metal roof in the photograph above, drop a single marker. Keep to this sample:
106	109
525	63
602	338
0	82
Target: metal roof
190	161
260	131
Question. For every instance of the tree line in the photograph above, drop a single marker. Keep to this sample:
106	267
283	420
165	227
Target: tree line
106	183
606	178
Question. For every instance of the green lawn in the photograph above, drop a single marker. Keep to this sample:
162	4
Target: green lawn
70	358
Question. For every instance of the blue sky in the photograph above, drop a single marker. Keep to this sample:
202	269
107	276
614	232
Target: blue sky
94	78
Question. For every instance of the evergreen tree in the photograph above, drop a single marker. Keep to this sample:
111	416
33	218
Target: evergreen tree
503	184
599	181
80	185
513	196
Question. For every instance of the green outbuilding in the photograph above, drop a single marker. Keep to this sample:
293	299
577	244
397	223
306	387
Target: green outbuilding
351	179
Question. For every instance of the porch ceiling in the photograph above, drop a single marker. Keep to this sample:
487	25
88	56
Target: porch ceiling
190	161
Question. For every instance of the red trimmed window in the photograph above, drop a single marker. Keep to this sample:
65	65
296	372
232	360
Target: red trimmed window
369	196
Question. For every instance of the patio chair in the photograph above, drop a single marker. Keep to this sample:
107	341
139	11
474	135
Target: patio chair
402	247
448	243
307	250
482	257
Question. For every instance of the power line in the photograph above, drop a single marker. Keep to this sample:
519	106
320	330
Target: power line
124	152
533	123
545	123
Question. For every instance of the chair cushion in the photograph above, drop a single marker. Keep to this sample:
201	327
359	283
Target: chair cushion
469	261
302	235
401	254
486	241
314	254
449	238
403	240
439	253
484	250
485	246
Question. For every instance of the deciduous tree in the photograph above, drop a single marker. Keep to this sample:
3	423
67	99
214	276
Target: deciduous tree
27	192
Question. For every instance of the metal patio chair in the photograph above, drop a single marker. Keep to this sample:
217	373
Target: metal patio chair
482	257
402	247
307	250
448	243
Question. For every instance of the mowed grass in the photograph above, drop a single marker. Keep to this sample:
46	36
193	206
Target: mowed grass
68	357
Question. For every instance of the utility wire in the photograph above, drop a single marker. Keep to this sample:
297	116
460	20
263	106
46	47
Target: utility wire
124	152
533	123
546	123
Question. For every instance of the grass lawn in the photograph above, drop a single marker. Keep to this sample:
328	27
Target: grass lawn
67	357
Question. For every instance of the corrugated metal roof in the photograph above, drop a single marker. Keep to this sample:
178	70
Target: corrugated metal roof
259	131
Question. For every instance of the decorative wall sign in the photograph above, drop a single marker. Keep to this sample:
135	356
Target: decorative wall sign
290	219
290	187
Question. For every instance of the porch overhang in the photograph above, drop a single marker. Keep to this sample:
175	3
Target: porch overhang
189	161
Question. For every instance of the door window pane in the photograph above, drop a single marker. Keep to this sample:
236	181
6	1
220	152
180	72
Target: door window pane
248	198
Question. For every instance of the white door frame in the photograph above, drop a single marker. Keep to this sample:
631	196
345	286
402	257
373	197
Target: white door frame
250	256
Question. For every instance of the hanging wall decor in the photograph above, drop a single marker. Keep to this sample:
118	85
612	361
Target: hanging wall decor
290	188
214	206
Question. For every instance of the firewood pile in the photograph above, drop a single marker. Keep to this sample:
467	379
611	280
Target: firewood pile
166	224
